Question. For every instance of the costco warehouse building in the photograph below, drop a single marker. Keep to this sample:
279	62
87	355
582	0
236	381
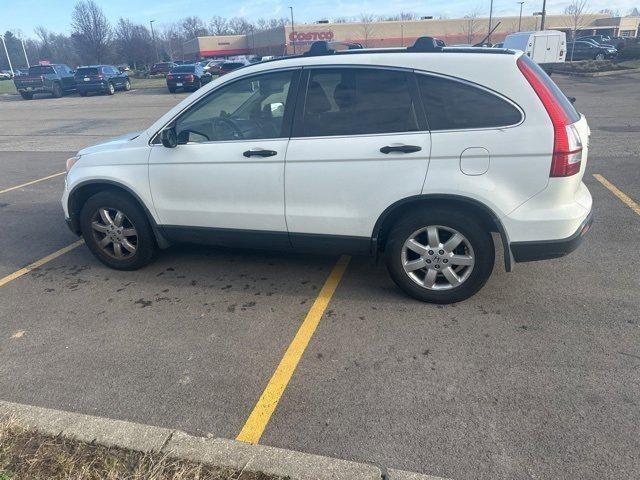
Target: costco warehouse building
285	41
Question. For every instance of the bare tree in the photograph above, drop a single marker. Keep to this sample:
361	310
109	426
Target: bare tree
91	31
219	26
341	20
133	43
366	27
263	24
471	26
240	26
193	27
400	17
576	11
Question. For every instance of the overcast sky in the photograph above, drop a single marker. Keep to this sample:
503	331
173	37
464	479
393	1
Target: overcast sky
55	15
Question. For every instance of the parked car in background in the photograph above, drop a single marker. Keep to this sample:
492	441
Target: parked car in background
213	66
547	48
100	79
56	79
187	77
586	50
20	71
419	156
161	68
124	68
227	67
597	44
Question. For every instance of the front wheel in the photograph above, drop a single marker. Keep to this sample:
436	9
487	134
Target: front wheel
127	86
26	95
117	231
600	57
439	256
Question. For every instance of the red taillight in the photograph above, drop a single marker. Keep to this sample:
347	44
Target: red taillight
170	77
567	146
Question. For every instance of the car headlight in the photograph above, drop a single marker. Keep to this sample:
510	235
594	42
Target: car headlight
71	162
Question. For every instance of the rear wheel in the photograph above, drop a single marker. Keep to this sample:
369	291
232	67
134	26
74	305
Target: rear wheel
171	90
82	94
26	95
127	86
111	89
197	85
439	256
117	231
56	91
599	56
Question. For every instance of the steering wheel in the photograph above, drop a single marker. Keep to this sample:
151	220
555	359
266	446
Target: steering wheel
225	129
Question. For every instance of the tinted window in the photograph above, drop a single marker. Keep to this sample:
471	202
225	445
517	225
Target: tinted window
41	70
453	105
246	109
86	71
183	69
356	101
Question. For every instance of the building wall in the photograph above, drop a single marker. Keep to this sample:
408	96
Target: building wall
286	41
217	46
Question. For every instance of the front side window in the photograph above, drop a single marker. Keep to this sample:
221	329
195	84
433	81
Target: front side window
454	105
357	101
247	109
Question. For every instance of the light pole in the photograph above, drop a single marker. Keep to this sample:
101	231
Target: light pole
24	50
543	14
153	37
520	17
7	53
490	18
293	32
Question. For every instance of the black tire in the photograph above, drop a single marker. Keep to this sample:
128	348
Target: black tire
476	234
111	89
127	86
599	56
26	95
145	241
56	90
82	94
197	86
171	90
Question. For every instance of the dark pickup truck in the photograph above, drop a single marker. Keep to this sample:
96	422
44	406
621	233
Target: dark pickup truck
54	79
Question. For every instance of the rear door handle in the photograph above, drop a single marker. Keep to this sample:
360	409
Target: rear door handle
259	152
401	148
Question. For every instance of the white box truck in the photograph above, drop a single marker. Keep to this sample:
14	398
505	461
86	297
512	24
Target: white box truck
546	48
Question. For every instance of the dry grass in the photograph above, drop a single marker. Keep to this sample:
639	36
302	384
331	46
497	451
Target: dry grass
27	455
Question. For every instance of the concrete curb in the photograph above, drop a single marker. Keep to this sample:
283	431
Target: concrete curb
597	74
220	452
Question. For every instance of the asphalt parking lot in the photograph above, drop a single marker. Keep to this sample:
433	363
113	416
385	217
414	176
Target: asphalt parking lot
537	376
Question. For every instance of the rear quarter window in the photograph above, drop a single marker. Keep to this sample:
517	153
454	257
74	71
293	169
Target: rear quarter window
454	105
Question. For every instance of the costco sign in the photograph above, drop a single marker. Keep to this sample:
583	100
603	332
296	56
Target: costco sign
310	37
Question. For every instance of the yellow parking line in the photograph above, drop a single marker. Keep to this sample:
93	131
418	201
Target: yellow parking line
259	417
39	263
31	182
624	198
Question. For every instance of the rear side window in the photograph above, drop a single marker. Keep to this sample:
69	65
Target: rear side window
357	101
454	105
87	71
41	70
560	97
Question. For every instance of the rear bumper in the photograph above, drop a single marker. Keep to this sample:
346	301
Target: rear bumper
91	87
174	84
547	249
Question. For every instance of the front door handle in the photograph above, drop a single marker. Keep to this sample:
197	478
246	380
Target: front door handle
401	148
259	152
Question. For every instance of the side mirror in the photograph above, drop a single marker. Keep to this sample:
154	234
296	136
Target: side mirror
169	137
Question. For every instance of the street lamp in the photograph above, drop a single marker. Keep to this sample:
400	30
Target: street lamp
543	14
490	18
7	53
153	37
520	17
293	32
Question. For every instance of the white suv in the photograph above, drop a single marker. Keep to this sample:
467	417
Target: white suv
416	154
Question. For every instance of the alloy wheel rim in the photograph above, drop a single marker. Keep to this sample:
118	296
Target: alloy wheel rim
114	233
437	257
